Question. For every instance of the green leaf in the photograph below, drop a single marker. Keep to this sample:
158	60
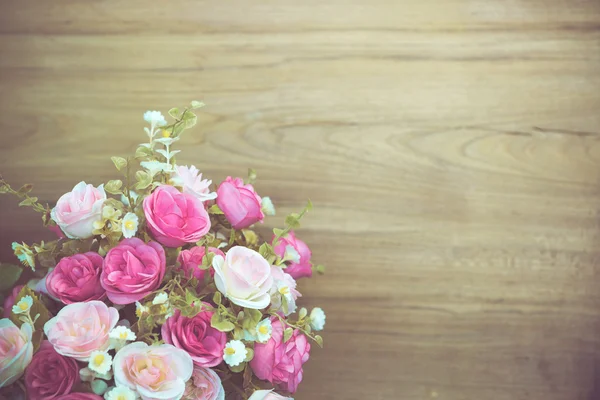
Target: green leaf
9	275
189	120
143	152
302	313
214	209
217	298
113	186
221	324
190	296
119	162
287	334
284	305
255	315
319	340
249	355
144	180
3	188
293	220
266	250
28	201
278	232
309	205
197	104
174	112
25	188
238	368
251	175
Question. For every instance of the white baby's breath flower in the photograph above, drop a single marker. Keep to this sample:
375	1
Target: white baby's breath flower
291	254
317	319
120	393
100	362
155	118
154	167
129	225
23	306
119	337
160	298
140	309
267	206
234	353
264	330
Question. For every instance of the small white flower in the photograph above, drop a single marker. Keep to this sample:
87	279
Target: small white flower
160	298
154	167
234	353
24	254
23	306
119	337
121	393
291	254
129	225
100	362
140	309
155	118
286	293
267	206
264	330
317	319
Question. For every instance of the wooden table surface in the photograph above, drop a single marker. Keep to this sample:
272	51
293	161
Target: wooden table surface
451	148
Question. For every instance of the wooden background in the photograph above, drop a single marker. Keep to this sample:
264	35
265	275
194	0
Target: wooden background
451	148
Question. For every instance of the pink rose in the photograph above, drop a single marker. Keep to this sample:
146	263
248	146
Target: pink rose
175	218
16	350
76	211
50	374
191	180
80	396
278	362
239	203
9	302
267	395
154	372
133	270
80	328
204	385
195	335
244	277
191	259
76	278
299	269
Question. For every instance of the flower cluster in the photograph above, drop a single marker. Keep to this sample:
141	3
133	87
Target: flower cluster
157	288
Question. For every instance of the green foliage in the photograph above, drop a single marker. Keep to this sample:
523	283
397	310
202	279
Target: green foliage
220	323
238	368
214	209
287	334
9	275
251	176
38	312
113	186
319	340
196	104
143	179
119	162
28	201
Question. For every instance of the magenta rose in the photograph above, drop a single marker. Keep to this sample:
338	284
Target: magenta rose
76	278
80	396
175	218
191	259
239	203
298	268
278	362
9	301
132	270
50	374
197	337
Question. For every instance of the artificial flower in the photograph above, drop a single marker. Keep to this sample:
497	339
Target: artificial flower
16	350
204	385
24	254
120	335
76	211
160	298
155	118
129	225
317	319
120	393
283	290
191	260
190	179
76	278
240	203
264	330
267	395
50	374
23	305
9	301
301	268
234	353
100	362
266	205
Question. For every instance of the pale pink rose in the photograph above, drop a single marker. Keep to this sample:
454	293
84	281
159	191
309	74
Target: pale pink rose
299	269
155	372
175	218
278	362
76	211
16	350
244	277
132	270
191	180
81	328
239	203
195	335
267	395
191	260
50	374
9	301
204	385
76	278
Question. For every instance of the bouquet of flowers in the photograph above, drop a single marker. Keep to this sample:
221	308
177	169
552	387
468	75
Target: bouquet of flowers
157	288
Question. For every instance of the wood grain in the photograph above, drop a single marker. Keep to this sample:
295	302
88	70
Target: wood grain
452	150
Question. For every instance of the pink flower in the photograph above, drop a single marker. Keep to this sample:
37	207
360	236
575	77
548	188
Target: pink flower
299	269
76	211
9	302
80	396
244	277
155	372
132	270
175	218
267	395
50	374
204	385
80	328
278	362
283	286
239	203
191	259
195	335
76	278
16	350
191	180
